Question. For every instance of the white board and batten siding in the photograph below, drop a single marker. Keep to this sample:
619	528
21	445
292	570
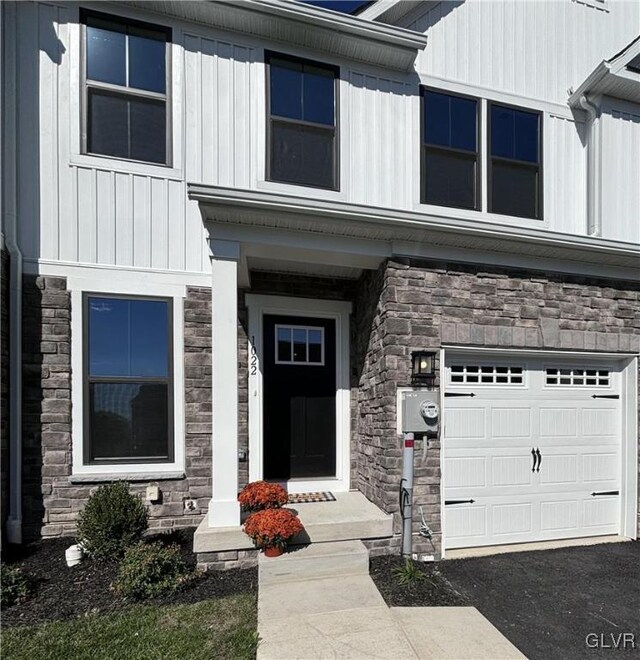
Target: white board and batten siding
496	491
80	209
621	170
529	48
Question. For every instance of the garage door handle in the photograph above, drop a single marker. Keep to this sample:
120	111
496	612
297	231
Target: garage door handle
539	455
533	453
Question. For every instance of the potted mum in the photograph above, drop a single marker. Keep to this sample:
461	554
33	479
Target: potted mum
272	529
260	495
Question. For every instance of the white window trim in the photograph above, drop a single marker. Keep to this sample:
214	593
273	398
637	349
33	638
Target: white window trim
95	283
258	306
305	363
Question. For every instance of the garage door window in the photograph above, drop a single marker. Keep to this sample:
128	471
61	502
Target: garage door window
578	377
487	374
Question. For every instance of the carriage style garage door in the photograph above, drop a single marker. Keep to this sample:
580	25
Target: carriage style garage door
532	449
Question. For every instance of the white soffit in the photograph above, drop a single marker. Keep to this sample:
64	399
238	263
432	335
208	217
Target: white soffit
417	230
347	36
613	78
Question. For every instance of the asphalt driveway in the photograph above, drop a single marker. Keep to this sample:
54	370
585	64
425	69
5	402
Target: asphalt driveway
565	603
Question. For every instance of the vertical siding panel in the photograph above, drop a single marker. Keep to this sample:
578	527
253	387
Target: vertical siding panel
86	196
124	219
226	119
141	222
209	119
64	194
48	78
106	219
159	223
176	227
242	108
193	136
28	122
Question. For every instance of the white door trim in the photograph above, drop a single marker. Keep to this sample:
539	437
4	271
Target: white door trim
258	305
629	422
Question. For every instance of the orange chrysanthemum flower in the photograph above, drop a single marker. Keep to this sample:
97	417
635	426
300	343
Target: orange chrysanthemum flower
260	495
272	527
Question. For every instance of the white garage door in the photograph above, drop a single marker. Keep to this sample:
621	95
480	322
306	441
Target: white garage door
531	450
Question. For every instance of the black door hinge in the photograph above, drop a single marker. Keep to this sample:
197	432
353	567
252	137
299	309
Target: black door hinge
605	492
459	501
459	394
605	396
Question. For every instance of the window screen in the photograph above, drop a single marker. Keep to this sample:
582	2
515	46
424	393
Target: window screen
450	150
128	379
125	89
515	184
302	122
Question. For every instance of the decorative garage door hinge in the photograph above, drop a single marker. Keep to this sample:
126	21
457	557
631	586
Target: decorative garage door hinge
459	501
459	394
605	396
605	492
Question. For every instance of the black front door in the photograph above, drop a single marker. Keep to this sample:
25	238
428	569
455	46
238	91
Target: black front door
299	401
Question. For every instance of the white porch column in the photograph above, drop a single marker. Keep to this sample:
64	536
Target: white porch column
224	510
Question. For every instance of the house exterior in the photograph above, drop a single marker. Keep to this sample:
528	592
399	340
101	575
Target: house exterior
227	227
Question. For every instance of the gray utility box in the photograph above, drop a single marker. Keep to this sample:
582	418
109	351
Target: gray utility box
421	412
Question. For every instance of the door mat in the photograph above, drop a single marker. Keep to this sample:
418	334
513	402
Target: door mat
304	498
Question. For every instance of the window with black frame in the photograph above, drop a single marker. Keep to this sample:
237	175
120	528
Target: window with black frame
450	170
302	132
515	185
128	380
126	82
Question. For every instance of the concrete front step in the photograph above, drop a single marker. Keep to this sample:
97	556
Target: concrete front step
351	517
319	560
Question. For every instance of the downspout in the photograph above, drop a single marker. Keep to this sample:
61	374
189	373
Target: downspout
593	167
9	199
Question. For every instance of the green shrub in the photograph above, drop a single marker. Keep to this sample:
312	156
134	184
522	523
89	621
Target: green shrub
112	520
14	585
149	570
409	573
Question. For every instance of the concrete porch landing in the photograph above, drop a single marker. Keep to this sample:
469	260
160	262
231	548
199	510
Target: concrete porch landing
351	517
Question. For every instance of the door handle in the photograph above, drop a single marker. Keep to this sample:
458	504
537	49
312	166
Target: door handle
533	453
539	455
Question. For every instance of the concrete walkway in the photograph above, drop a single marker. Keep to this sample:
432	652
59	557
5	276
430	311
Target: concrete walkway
319	602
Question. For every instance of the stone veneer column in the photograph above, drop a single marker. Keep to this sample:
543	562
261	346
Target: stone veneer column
224	510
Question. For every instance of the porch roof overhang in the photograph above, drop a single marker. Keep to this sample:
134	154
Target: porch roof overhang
383	232
613	78
351	37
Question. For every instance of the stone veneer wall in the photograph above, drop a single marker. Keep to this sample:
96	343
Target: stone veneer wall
421	305
51	499
4	388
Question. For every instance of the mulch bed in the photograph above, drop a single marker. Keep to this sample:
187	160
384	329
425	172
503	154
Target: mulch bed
60	592
432	591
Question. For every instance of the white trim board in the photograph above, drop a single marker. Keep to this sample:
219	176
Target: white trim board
258	306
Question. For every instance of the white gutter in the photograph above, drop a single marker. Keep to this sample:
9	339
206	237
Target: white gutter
9	199
594	179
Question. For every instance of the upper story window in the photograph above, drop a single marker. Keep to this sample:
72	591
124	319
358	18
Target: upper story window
128	380
125	89
515	186
450	172
302	126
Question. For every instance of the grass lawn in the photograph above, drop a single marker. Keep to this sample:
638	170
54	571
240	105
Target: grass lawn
220	628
